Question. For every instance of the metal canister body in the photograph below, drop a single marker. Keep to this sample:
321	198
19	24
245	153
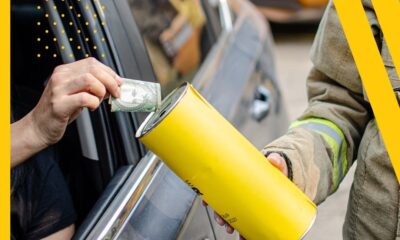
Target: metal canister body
222	166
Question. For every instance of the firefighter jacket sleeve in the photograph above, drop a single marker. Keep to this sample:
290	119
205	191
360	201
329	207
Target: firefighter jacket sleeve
322	144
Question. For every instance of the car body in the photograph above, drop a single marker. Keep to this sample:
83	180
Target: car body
121	190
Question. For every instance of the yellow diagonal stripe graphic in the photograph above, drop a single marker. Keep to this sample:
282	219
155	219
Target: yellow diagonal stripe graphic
372	70
388	12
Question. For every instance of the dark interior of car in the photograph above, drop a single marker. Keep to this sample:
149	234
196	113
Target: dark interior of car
35	54
29	73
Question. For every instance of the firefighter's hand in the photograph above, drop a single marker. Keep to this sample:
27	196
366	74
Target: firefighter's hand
277	161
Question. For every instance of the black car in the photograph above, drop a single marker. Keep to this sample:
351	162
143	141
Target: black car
120	190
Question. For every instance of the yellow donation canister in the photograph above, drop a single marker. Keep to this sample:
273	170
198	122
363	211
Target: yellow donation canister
222	166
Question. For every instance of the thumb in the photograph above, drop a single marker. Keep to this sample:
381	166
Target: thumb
279	162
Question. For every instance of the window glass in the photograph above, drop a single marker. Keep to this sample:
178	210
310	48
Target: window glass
35	52
177	35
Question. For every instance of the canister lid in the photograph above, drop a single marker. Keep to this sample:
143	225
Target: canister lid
167	104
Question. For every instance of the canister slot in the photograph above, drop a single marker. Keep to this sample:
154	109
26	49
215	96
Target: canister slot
167	104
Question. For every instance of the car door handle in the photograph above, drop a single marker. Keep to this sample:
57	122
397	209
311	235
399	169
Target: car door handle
261	104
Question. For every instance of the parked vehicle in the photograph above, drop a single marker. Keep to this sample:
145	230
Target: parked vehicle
292	11
121	190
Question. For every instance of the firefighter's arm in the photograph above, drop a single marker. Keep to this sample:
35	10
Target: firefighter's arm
323	142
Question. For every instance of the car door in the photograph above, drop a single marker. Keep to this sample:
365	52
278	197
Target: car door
134	185
236	75
118	189
138	197
238	78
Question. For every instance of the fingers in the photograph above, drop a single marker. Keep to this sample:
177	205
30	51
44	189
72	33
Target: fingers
276	161
80	100
112	73
229	229
103	73
86	83
279	162
219	219
107	79
74	83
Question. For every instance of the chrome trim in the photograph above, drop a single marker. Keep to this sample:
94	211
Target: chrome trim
225	15
127	199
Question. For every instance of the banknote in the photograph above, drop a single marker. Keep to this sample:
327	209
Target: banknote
137	96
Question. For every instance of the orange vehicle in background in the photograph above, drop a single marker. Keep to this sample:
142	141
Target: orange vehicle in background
291	11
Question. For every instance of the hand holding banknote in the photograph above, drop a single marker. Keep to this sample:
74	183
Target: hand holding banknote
71	87
137	96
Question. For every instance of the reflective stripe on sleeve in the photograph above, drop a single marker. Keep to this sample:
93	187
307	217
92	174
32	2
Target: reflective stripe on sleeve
335	139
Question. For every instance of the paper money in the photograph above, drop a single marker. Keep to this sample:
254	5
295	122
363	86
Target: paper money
137	96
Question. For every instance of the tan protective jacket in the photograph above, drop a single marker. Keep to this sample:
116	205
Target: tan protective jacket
337	128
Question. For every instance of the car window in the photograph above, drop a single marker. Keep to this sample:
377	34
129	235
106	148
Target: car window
177	34
35	53
50	33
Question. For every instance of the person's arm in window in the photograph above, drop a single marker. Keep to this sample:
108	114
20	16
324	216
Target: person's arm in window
71	87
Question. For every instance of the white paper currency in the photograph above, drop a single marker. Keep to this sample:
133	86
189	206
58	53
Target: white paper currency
137	96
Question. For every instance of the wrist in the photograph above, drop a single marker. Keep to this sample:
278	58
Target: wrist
34	133
25	141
